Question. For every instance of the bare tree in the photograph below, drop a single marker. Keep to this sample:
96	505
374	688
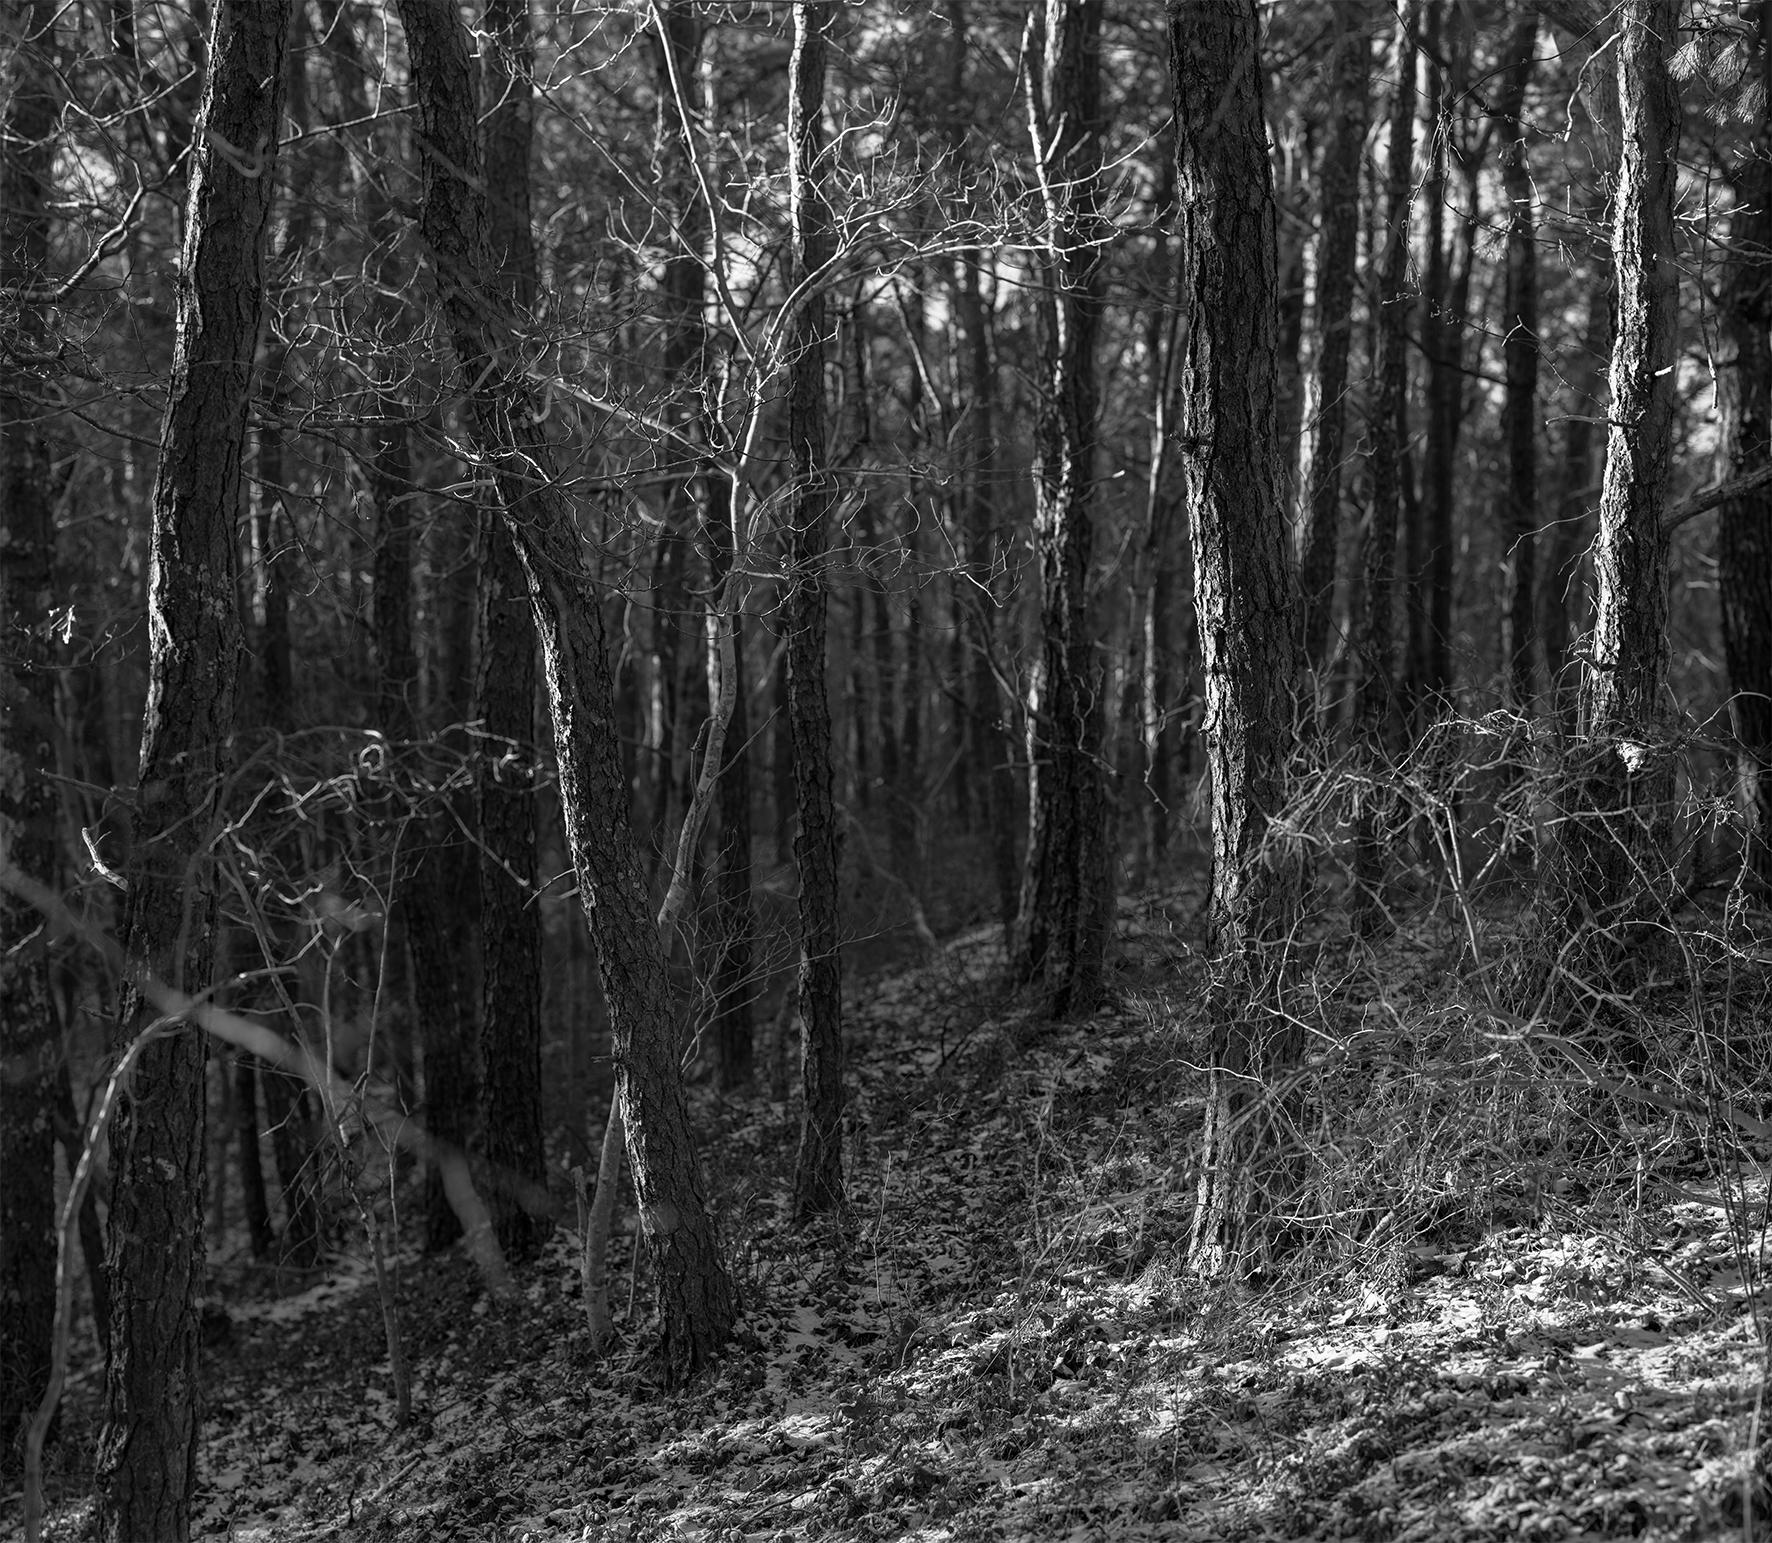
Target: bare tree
1067	894
696	1300
1613	865
1246	594
148	1450
818	1171
1338	190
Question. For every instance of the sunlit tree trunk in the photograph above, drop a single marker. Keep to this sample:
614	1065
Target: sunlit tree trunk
1246	594
697	1303
30	1044
818	1170
1613	864
148	1448
1067	893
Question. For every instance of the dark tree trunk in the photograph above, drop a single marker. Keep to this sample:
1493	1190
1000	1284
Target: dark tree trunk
148	1449
1519	411
1067	894
696	1299
1444	302
1613	865
30	1041
1376	703
504	703
1339	187
1244	588
1743	362
818	1170
986	731
252	1167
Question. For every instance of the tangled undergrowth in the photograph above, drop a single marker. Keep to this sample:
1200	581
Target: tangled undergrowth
1529	1300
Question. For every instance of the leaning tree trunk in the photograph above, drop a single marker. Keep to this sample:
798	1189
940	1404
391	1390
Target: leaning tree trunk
1067	894
148	1448
1338	188
504	702
1743	363
1519	349
1245	592
818	1170
30	1044
1613	870
696	1299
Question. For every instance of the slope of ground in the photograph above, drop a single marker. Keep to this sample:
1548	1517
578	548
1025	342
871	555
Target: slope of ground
1492	1338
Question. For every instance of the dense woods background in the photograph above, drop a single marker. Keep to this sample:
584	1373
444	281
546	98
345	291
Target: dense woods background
543	543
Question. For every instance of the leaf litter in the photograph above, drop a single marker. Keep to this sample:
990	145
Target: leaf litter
1003	1343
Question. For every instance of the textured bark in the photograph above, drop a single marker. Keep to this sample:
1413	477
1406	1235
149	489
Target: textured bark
1067	892
1743	361
504	703
1562	595
30	1043
1376	701
1519	412
1338	184
696	1299
818	1169
1614	867
1245	592
148	1447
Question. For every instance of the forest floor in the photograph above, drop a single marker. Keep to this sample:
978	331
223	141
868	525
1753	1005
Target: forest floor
1555	1336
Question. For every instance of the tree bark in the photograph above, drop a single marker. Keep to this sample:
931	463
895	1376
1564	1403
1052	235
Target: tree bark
1067	892
1743	362
818	1169
1338	183
1246	594
148	1447
697	1303
30	1039
1519	411
512	1129
1614	869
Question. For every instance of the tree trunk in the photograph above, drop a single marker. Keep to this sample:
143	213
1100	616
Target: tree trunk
30	1039
148	1448
504	703
977	409
1067	894
1339	188
1743	362
818	1170
696	1299
1562	608
1245	593
1444	302
1376	702
1519	412
1614	866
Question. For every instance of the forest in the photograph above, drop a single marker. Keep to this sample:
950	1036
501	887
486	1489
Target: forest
951	769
